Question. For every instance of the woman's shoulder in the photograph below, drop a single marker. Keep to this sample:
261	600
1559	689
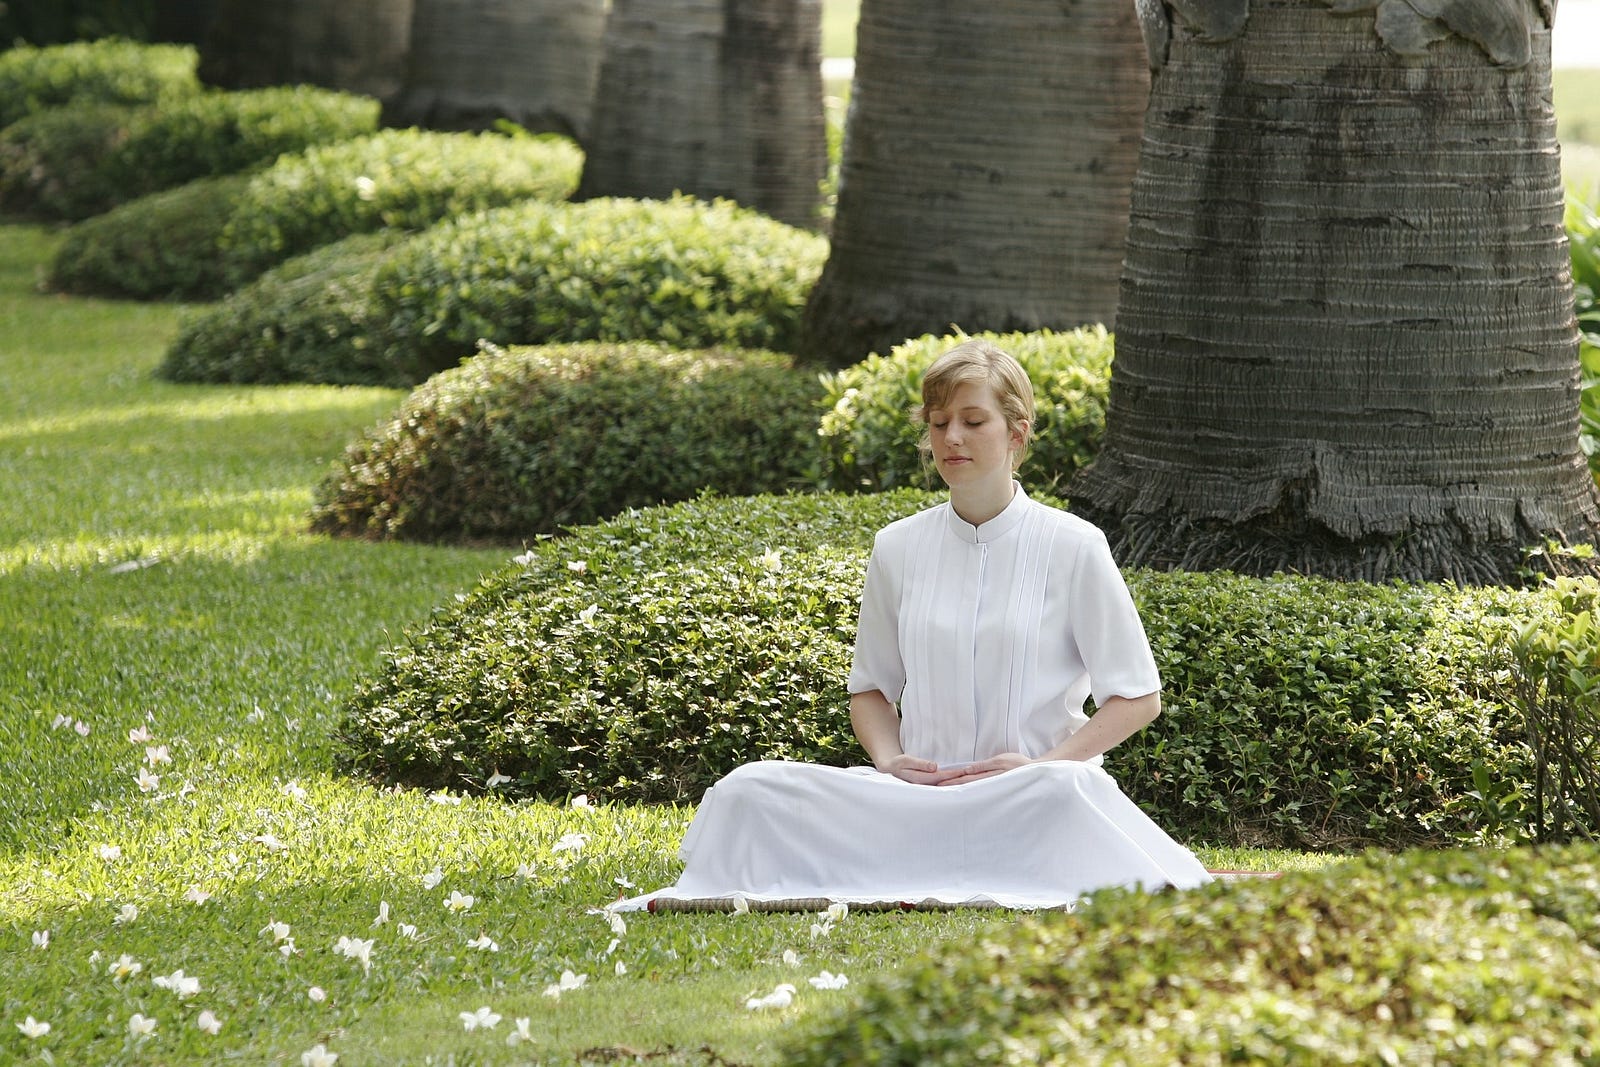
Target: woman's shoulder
908	527
1063	524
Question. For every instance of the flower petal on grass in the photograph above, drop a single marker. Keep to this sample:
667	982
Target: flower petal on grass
458	901
209	1023
483	1018
828	980
126	914
780	997
140	1025
33	1028
41	939
318	1056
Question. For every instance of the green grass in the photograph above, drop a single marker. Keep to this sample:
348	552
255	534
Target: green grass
839	27
155	576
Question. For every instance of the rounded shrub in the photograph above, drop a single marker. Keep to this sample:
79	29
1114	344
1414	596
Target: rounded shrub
1298	712
251	336
520	442
869	443
1456	957
682	272
230	231
640	657
161	246
75	162
406	179
108	71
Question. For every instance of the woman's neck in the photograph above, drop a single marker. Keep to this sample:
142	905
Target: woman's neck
977	504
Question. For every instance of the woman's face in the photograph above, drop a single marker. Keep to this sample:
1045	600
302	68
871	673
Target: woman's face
972	445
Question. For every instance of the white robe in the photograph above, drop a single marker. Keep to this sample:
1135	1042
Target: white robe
989	638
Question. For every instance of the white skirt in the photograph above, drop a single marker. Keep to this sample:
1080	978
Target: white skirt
1039	836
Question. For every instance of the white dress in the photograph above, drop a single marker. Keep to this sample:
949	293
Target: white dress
989	638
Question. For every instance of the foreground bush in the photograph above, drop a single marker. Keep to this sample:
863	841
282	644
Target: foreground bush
868	443
1298	712
216	235
70	163
108	71
683	272
1461	958
521	442
252	337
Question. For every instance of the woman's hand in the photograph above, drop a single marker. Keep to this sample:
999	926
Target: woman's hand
916	770
986	768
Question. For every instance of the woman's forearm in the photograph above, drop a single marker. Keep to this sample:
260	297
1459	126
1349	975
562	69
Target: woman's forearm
877	726
1118	720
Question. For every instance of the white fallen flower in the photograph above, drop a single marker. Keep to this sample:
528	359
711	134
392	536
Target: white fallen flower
126	914
33	1028
317	994
620	969
383	913
318	1056
184	985
196	895
586	616
140	1025
741	904
208	1022
408	931
458	901
780	997
496	779
569	981
278	930
109	853
270	842
828	980
571	843
139	736
41	939
355	948
521	1033
125	966
581	802
483	1018
154	754
432	878
791	958
483	943
148	783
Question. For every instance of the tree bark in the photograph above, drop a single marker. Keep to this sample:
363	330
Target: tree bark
985	180
473	62
358	46
715	98
1346	341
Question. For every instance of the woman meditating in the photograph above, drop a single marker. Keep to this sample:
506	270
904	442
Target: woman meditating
985	623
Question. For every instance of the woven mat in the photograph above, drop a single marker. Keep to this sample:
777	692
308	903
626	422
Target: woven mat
729	904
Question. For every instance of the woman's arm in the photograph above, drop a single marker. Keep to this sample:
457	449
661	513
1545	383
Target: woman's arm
1118	720
877	727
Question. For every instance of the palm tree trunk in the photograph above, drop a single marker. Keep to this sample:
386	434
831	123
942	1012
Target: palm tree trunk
472	62
715	98
355	45
1346	341
985	181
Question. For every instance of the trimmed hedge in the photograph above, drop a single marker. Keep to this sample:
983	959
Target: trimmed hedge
217	234
1459	957
682	272
868	443
71	163
161	246
251	337
108	71
521	442
1298	712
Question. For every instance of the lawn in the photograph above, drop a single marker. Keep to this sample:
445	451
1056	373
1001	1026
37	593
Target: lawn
177	651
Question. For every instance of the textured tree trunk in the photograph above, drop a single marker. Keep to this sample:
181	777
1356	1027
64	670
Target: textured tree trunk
183	21
355	45
987	162
1346	341
473	62
715	98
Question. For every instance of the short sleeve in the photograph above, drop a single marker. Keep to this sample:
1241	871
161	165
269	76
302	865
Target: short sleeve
1105	624
877	663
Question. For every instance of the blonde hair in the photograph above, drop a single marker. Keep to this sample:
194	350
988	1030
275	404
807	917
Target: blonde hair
978	362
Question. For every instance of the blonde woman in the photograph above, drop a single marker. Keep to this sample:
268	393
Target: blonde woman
986	622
